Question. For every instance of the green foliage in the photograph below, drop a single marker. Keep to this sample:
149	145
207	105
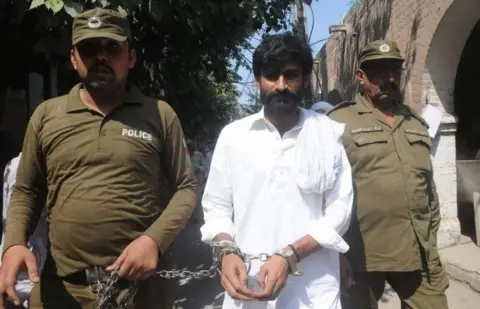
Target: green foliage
184	47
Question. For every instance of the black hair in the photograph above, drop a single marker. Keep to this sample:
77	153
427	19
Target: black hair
277	50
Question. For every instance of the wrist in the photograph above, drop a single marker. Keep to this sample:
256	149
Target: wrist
151	241
223	237
295	252
224	246
289	256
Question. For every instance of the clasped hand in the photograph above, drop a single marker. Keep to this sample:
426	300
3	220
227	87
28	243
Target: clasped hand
271	278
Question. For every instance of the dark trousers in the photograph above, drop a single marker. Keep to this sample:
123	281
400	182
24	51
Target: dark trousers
416	289
55	293
9	305
73	292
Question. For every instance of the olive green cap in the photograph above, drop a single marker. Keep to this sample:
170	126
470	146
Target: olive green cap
100	23
381	49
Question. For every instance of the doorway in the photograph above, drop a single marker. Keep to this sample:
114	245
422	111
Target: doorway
467	108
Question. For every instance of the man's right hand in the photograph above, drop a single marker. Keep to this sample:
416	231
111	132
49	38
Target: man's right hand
17	258
234	278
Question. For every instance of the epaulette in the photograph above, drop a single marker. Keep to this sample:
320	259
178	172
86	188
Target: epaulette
340	106
418	117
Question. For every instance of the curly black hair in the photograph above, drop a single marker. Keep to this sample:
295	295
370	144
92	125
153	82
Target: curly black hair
277	50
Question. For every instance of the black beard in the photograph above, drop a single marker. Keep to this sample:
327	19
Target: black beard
394	94
281	102
95	80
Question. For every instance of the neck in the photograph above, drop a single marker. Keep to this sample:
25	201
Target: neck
104	99
283	122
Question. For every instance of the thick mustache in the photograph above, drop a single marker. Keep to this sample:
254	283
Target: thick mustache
388	87
100	67
278	95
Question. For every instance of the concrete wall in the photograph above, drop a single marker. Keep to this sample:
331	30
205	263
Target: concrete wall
432	35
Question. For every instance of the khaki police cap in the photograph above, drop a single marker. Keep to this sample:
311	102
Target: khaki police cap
381	49
100	23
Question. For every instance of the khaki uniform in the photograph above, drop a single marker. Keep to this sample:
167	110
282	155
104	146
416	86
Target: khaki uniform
396	217
105	181
393	231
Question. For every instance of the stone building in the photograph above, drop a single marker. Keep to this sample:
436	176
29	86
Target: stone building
440	40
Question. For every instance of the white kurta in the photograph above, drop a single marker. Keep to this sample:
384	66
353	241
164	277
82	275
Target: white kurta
38	240
251	181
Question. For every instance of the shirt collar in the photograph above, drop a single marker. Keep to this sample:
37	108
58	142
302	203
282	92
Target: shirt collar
363	105
75	103
259	118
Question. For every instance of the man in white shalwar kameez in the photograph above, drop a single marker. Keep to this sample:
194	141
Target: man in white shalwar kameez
38	240
280	183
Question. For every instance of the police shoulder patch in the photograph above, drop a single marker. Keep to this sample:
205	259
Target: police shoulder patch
340	106
418	117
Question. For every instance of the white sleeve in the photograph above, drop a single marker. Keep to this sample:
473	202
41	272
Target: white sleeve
9	179
217	199
329	229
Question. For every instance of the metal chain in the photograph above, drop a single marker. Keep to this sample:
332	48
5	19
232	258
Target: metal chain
107	291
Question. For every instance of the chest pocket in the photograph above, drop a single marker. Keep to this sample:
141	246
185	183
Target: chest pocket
364	139
420	143
367	149
369	144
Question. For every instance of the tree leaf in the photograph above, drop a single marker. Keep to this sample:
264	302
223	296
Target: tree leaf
72	8
36	3
56	5
122	11
189	48
104	3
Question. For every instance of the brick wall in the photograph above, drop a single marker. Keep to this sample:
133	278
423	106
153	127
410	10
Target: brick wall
432	35
411	23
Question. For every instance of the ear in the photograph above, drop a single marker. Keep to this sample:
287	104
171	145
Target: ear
360	76
132	58
72	58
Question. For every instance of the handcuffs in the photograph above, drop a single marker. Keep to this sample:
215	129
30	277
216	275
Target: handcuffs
230	247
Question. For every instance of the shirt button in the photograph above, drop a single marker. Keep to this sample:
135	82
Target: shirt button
104	133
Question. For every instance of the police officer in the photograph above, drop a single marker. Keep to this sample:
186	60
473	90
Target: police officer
111	167
393	233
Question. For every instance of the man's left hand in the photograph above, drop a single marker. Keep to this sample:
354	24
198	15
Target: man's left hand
138	260
272	278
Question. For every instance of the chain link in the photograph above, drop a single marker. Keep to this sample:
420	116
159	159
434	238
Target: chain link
107	291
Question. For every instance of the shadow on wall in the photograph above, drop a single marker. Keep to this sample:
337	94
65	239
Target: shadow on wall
410	52
322	71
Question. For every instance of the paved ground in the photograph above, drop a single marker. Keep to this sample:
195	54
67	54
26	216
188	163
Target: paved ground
462	263
195	294
459	297
208	294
